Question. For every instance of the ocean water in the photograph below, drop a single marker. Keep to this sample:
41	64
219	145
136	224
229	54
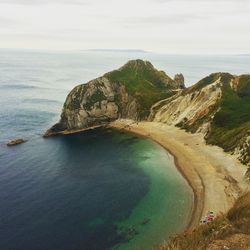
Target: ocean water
101	189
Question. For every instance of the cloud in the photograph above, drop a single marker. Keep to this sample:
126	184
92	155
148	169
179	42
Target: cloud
199	1
169	19
6	21
156	25
41	2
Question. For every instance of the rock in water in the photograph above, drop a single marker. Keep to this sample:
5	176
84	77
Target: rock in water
128	92
16	142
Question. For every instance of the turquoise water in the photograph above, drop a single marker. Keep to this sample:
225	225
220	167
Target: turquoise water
166	208
99	190
88	190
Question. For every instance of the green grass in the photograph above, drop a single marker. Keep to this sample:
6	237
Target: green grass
203	83
143	82
229	117
235	107
76	101
232	122
228	139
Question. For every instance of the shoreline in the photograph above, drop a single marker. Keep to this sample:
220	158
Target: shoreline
49	133
215	184
215	177
193	211
196	196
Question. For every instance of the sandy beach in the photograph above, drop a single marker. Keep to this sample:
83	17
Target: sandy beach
216	177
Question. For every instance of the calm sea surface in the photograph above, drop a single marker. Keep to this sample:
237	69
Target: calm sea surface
99	190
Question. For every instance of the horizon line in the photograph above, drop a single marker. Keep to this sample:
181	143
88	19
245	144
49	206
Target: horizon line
124	51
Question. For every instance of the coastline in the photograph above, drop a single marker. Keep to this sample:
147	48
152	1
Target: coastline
49	133
216	178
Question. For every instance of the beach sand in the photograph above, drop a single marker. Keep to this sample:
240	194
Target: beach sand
217	178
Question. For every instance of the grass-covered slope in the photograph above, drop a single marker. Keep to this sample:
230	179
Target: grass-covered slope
218	106
128	92
231	124
143	82
229	231
229	116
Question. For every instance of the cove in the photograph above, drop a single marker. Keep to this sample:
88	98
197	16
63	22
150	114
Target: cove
165	209
101	189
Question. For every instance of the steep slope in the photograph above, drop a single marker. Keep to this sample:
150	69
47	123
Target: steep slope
218	106
229	231
128	92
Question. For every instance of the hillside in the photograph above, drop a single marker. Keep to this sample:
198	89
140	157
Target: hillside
229	231
128	92
217	106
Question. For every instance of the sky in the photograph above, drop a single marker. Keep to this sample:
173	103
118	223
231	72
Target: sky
162	26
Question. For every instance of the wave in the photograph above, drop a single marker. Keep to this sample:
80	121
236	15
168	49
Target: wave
40	100
26	86
18	86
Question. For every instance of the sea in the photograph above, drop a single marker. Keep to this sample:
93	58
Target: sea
101	189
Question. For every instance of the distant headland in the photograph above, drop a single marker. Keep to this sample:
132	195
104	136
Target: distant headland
119	50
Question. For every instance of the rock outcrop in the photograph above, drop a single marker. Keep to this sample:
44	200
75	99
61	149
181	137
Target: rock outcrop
179	78
186	109
128	92
217	106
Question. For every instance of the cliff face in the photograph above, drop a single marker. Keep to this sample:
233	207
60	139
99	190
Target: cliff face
218	106
97	102
128	92
186	109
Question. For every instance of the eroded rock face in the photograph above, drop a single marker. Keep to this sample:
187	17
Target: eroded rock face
248	174
243	151
217	106
95	103
128	92
185	110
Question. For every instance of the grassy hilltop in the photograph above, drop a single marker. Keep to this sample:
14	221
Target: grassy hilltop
147	84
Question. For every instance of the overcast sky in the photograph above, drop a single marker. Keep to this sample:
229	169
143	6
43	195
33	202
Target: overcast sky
165	26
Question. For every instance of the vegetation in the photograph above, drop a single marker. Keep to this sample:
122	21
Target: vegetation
200	121
235	105
144	82
229	231
231	124
77	93
203	83
229	117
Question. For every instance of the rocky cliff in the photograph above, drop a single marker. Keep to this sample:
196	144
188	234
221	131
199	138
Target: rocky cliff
218	106
128	92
